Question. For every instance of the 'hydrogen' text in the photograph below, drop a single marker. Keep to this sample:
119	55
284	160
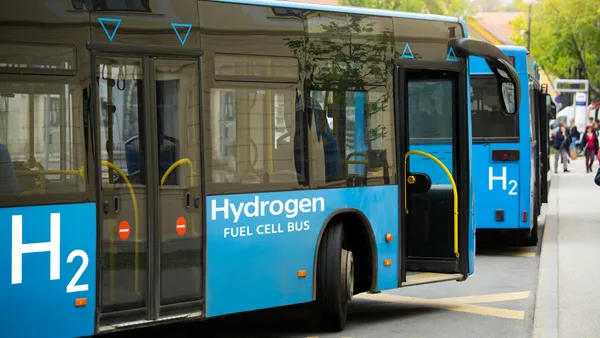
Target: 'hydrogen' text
258	208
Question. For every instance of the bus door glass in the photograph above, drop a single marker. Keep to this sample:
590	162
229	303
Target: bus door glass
147	111
537	121
430	110
545	114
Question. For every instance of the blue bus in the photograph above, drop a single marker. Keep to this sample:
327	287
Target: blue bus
510	153
165	160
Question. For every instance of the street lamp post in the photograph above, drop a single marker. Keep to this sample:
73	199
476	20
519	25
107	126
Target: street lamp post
529	3
529	30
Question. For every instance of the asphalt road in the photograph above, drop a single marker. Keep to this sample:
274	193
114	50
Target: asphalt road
497	301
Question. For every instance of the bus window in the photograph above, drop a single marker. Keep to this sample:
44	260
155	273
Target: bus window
430	110
253	139
42	135
121	104
488	119
354	131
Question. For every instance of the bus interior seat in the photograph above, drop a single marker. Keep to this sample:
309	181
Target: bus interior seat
26	182
132	157
324	136
9	185
167	156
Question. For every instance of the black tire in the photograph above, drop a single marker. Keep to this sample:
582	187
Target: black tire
333	287
532	237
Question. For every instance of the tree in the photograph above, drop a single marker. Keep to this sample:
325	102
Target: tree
460	8
347	55
565	39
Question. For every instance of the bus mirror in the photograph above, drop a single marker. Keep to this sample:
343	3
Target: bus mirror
500	64
508	84
508	97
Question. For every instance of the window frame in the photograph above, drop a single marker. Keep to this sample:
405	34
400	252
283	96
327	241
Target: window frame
86	196
233	188
412	141
392	171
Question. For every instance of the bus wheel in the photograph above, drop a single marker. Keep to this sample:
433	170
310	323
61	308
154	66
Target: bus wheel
335	279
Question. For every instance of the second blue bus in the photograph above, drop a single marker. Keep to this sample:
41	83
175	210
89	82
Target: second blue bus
510	152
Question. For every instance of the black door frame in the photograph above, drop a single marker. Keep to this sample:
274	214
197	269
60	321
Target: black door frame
460	145
147	54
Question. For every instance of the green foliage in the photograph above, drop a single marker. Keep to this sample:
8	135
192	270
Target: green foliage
460	8
565	38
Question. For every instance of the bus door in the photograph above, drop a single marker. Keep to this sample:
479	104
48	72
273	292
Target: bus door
536	145
544	108
431	118
147	130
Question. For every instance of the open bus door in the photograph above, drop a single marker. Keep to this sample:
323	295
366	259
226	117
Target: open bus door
538	124
434	168
547	111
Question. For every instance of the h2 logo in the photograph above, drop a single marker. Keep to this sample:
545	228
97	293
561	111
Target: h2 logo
513	183
53	247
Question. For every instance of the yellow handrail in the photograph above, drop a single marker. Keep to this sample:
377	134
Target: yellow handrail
454	190
80	172
192	173
42	172
135	210
177	164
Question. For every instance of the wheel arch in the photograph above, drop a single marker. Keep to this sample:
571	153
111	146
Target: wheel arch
359	225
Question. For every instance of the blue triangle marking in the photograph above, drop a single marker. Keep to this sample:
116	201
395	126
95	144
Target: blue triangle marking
177	25
110	35
410	53
451	55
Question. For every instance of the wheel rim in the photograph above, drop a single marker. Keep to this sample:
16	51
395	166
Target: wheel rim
348	272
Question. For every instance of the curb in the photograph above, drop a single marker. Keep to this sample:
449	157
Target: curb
545	319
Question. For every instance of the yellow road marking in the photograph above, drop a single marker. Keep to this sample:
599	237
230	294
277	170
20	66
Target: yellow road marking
489	311
424	275
522	254
460	304
494	298
515	253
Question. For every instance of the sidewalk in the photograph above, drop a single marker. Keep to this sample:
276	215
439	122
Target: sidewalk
568	293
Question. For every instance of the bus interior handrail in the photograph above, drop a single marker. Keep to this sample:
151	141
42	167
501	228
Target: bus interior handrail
454	190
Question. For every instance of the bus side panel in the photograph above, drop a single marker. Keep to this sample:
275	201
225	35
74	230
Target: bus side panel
496	186
421	164
48	256
257	243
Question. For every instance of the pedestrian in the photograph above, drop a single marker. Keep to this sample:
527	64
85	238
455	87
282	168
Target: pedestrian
561	147
574	133
591	147
574	137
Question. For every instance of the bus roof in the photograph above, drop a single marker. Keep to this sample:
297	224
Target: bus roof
346	9
518	53
510	49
